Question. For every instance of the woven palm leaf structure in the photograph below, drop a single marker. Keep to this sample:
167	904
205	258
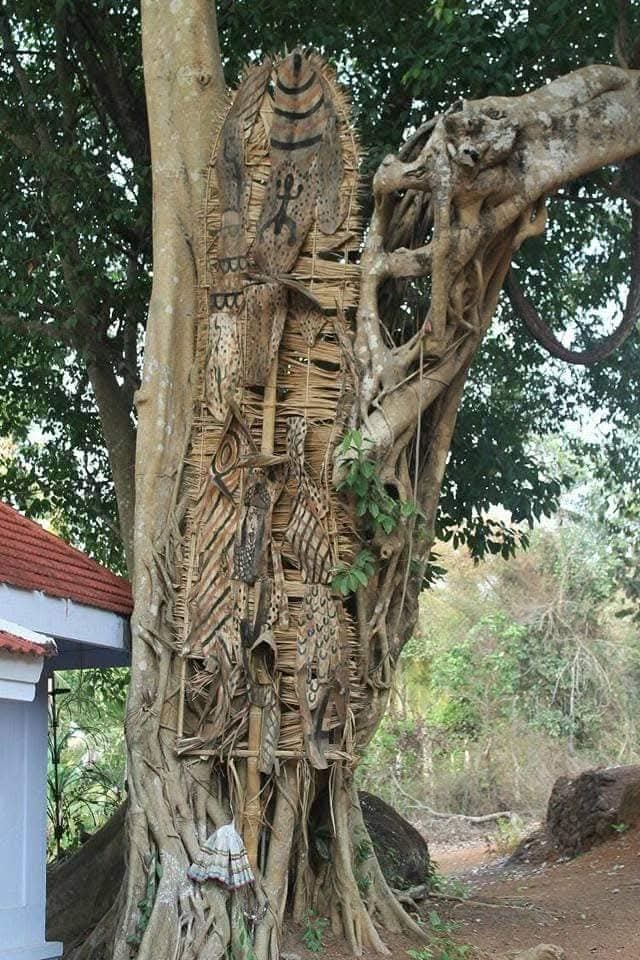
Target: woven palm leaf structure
254	612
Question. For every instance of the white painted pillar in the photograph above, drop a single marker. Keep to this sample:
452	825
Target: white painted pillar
23	825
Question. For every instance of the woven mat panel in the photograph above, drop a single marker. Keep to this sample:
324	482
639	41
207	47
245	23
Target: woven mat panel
313	382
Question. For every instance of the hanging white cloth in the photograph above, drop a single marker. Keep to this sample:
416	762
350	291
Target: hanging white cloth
224	859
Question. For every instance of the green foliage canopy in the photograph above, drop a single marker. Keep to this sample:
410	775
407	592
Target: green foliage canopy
75	260
74	256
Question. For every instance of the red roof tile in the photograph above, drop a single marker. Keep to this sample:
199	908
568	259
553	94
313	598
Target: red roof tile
13	644
34	559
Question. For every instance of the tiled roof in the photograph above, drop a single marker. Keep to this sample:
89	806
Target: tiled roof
31	645
34	559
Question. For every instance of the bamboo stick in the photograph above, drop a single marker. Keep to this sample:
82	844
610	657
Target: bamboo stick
185	634
253	807
269	408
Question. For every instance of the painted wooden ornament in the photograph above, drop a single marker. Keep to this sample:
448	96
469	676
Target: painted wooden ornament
319	654
306	165
226	340
253	531
303	188
231	168
210	600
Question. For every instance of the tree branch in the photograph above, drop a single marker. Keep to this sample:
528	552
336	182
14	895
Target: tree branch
106	75
65	83
30	100
120	439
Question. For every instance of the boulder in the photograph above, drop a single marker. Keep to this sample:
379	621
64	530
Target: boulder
590	808
84	887
402	852
536	847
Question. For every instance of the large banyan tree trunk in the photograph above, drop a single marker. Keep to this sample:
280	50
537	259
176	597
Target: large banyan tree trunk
292	441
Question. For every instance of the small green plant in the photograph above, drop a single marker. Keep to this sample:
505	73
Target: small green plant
620	827
363	883
442	950
314	928
347	579
449	885
145	905
442	947
374	503
362	851
439	925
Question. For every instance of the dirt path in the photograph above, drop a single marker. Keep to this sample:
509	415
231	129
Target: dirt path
590	906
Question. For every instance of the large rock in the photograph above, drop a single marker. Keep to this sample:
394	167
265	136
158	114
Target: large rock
402	852
536	847
82	888
586	810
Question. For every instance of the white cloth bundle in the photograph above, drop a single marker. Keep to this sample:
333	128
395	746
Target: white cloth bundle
223	858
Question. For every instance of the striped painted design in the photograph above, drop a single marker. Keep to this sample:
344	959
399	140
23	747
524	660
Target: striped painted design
246	104
309	540
211	603
270	729
299	106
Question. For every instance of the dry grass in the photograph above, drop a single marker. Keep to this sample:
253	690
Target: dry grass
514	769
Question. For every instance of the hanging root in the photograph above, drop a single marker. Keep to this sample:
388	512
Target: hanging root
353	890
286	812
382	903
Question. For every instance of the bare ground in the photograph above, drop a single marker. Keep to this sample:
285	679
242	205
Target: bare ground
589	906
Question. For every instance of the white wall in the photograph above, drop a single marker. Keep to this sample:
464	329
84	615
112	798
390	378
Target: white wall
23	768
18	677
64	618
86	637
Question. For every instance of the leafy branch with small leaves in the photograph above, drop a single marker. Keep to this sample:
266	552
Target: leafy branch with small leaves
442	947
362	852
362	480
347	578
380	511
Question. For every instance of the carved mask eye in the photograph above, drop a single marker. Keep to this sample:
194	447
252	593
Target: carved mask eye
226	455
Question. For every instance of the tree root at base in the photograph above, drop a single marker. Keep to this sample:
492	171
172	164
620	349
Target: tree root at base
204	922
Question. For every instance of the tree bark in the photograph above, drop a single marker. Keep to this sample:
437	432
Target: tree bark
120	438
478	177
